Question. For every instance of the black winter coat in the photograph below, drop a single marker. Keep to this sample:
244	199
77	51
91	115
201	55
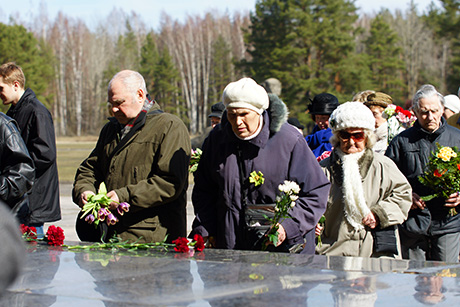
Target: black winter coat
411	151
16	168
37	130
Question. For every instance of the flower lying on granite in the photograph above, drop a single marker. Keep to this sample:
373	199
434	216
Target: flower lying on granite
97	208
54	236
28	233
183	244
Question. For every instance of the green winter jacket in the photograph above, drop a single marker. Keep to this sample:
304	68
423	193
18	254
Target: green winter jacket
150	172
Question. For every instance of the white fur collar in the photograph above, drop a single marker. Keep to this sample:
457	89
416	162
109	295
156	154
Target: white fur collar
352	188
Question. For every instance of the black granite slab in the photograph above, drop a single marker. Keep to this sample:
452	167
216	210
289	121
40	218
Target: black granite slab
59	277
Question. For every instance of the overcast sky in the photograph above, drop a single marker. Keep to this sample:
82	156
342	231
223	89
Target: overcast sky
93	10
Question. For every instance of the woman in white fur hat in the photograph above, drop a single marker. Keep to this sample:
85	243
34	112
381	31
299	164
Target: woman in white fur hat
369	196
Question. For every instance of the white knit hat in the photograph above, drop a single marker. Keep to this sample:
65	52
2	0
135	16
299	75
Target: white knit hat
351	115
245	93
452	102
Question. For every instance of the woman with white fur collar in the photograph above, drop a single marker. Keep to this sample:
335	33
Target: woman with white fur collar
369	195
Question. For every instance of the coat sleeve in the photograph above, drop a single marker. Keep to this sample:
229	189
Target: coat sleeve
41	142
396	196
205	196
305	170
17	173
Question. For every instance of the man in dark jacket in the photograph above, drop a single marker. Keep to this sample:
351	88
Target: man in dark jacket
430	232
321	108
37	130
254	136
16	169
142	155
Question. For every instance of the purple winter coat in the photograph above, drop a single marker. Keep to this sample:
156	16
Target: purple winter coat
280	153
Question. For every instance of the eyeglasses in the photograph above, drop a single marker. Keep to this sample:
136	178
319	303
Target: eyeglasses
357	136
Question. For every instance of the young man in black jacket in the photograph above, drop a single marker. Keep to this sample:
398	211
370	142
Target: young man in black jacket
37	130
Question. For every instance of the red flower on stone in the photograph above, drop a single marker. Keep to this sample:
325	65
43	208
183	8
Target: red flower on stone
55	236
181	245
199	242
29	233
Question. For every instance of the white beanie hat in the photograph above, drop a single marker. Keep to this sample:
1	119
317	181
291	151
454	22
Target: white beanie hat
452	102
352	115
245	93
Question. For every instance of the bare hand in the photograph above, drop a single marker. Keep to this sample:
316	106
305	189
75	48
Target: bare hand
453	200
281	234
115	200
84	198
371	220
417	202
318	229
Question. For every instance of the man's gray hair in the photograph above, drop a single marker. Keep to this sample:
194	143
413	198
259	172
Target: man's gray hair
131	79
426	91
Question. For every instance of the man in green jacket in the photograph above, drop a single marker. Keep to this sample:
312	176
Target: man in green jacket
142	155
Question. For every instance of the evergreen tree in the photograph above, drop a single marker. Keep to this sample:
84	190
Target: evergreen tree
161	76
445	22
385	58
20	46
306	44
221	69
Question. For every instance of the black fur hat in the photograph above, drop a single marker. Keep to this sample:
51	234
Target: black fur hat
323	104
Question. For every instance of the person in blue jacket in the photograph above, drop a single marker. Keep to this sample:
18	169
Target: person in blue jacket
321	108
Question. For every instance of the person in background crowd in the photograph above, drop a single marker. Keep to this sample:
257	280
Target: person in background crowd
17	172
430	232
377	102
320	108
215	116
451	105
362	96
295	122
37	130
255	136
369	196
142	155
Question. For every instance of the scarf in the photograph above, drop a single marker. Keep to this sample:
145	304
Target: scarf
139	118
352	188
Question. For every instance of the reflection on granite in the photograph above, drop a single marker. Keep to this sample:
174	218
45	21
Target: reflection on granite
58	277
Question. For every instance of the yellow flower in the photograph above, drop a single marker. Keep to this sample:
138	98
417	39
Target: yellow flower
257	178
446	153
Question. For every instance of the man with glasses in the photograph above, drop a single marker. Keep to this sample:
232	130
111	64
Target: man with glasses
430	232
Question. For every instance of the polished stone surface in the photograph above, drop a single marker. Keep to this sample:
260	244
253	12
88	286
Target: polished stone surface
59	277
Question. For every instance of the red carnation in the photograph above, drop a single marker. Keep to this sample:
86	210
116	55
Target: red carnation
181	245
29	233
458	166
199	242
438	174
55	236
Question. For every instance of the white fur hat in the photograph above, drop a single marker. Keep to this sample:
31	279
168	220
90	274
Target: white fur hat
245	93
351	115
452	102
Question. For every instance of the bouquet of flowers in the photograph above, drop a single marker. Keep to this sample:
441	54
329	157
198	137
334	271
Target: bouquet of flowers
284	202
97	208
195	159
442	173
398	120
